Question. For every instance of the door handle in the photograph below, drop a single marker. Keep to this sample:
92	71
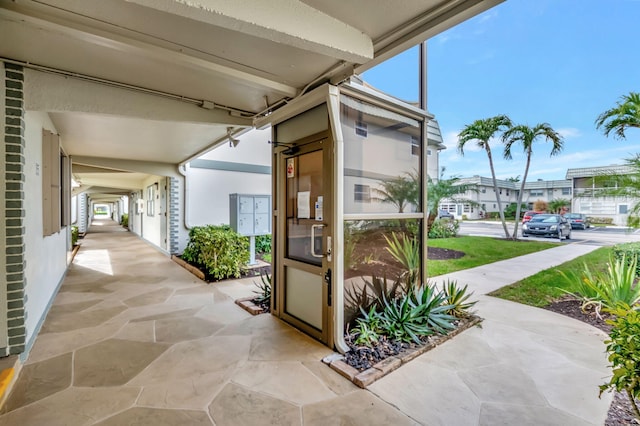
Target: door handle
313	240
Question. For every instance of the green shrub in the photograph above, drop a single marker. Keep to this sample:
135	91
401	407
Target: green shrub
222	252
75	233
368	327
607	290
124	220
263	244
444	228
601	220
510	210
628	250
623	347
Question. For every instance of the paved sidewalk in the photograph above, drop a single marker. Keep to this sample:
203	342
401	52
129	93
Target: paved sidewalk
132	338
524	366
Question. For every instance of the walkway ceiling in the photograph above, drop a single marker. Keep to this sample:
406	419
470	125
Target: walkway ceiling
222	61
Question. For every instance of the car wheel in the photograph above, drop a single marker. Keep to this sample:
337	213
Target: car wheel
568	237
524	235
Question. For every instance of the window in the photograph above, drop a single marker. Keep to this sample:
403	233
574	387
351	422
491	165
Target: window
362	193
361	128
428	152
536	192
566	191
622	209
484	190
415	145
151	196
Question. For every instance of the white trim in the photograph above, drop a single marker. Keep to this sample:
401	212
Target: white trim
333	108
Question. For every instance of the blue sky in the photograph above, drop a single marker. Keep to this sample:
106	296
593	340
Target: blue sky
557	61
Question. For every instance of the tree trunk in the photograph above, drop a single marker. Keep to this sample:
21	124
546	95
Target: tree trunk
524	180
495	188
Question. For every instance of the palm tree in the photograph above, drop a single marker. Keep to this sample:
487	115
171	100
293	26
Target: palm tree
482	131
527	135
399	191
625	114
558	205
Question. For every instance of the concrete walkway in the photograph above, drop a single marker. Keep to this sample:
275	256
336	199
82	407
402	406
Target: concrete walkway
133	339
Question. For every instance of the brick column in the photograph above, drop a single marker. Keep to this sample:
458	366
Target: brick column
14	144
174	218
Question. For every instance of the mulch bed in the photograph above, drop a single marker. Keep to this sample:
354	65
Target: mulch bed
620	412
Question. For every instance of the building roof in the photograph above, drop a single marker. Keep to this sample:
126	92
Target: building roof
599	171
434	136
537	184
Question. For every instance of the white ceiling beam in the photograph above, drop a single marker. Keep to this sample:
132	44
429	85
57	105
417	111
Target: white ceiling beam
288	22
149	167
56	93
150	48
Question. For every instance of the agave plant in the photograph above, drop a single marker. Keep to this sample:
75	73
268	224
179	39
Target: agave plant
264	288
583	288
405	250
404	321
617	285
458	298
434	308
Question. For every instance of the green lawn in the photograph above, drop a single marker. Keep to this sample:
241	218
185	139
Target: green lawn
540	289
480	251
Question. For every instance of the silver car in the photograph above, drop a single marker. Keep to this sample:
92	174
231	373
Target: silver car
578	220
547	225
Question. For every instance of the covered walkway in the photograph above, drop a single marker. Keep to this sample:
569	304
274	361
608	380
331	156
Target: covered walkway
132	338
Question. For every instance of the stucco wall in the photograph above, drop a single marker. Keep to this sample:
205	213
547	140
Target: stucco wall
46	256
209	188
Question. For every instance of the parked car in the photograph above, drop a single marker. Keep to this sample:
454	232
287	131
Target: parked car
578	220
528	215
547	225
443	214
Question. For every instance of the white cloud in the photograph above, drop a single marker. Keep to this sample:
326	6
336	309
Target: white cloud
488	15
450	140
569	132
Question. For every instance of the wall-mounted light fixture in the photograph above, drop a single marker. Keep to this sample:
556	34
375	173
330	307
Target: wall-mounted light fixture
233	142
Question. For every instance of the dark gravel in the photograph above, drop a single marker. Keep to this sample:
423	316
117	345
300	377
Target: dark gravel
363	357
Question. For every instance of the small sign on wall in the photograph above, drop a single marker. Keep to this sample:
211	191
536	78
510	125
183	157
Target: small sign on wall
291	168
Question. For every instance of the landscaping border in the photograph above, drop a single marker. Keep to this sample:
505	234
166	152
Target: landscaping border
247	304
387	365
195	271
